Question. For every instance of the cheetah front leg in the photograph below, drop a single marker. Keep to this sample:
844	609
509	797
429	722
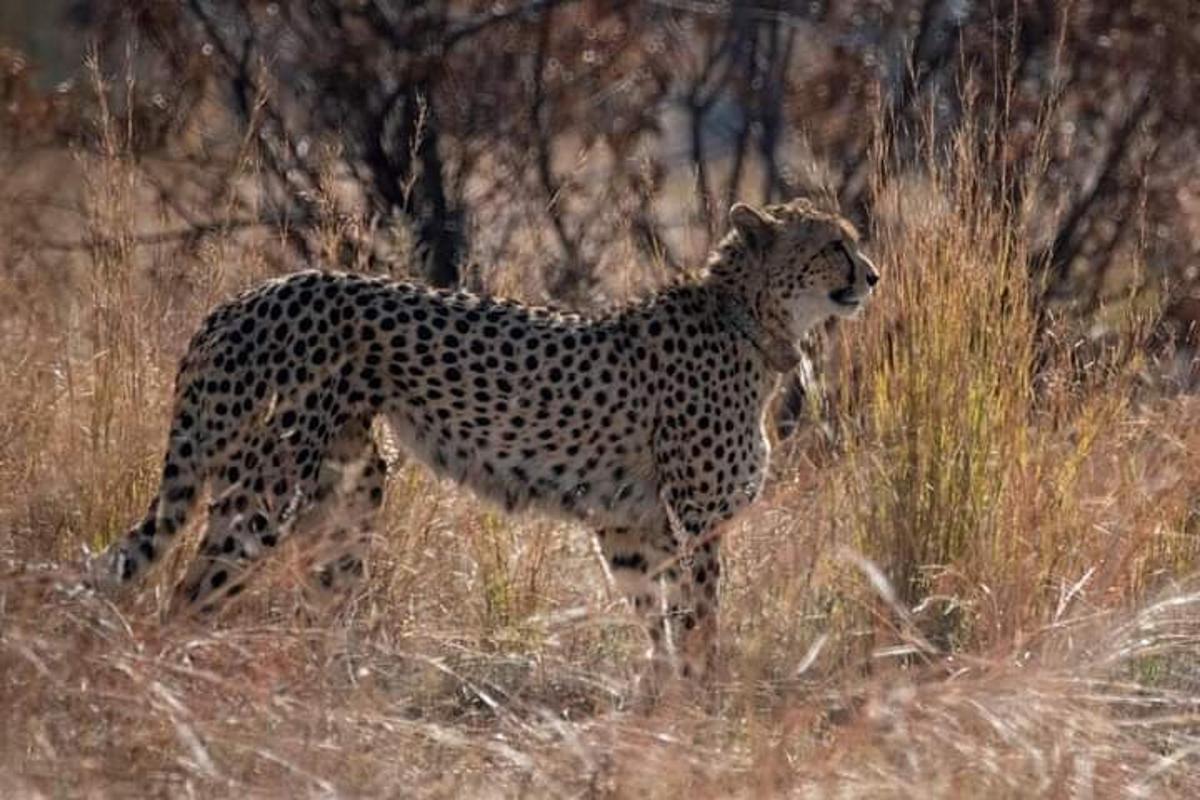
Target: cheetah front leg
693	591
692	594
630	557
673	592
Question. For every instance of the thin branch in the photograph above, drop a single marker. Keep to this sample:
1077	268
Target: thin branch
699	168
742	142
1057	257
704	91
249	93
932	51
186	233
648	238
770	102
542	148
461	31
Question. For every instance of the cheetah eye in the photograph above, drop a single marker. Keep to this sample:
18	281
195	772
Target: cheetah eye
840	248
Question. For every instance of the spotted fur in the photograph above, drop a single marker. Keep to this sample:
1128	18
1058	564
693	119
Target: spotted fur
646	423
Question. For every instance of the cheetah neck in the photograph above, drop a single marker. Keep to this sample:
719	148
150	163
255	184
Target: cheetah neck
779	353
727	273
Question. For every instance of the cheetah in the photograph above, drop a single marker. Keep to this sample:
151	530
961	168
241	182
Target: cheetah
647	422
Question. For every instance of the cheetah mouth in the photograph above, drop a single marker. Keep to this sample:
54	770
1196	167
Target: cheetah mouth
845	297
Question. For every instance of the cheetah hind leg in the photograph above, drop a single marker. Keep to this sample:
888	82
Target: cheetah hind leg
335	531
252	510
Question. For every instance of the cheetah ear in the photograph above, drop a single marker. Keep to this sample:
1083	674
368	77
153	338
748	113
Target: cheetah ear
755	226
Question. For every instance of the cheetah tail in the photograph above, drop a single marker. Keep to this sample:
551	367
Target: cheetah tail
178	492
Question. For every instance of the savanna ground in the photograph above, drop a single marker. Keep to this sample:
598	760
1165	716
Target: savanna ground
972	578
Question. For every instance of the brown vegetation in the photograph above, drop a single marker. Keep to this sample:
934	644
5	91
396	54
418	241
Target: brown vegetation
977	583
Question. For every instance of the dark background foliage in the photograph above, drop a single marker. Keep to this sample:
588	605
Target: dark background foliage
576	135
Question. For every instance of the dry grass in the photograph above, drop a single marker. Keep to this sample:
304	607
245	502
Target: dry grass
1035	513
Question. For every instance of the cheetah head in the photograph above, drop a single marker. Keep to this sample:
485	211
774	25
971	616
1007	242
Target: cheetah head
793	266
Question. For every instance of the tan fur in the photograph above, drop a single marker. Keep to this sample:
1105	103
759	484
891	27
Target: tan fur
646	423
